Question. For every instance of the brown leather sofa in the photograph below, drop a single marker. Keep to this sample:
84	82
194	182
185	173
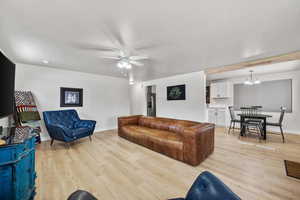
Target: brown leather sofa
186	141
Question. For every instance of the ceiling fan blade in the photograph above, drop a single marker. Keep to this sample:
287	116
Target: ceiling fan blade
96	47
145	47
136	63
111	57
138	58
103	49
114	33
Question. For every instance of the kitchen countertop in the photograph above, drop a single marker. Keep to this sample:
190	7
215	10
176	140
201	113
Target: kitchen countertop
216	107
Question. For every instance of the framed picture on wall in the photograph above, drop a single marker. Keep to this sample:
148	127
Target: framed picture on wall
176	92
71	97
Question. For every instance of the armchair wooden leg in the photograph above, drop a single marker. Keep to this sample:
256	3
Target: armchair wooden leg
90	138
52	140
283	140
68	145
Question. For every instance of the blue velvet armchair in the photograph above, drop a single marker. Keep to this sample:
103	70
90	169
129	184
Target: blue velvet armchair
66	126
209	187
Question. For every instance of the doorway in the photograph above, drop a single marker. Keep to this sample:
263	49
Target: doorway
151	101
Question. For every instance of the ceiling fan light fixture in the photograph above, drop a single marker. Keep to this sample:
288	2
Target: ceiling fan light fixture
120	65
123	64
128	66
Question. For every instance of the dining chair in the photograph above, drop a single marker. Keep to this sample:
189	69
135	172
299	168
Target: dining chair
233	119
254	127
255	110
279	123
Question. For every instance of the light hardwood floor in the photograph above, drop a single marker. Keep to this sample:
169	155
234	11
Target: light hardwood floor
113	168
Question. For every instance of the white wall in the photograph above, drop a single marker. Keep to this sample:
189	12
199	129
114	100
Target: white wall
138	99
291	120
104	98
193	108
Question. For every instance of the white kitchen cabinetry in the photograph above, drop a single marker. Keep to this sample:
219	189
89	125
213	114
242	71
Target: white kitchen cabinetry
221	118
220	90
217	116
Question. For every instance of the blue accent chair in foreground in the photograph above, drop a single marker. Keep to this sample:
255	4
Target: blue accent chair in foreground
209	187
66	126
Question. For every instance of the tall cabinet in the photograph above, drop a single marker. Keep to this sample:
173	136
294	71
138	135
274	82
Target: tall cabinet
17	164
220	99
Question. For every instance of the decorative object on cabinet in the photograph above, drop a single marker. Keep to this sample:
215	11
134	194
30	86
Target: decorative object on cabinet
176	92
71	97
27	112
66	126
17	164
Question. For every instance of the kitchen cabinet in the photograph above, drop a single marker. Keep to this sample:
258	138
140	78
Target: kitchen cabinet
217	116
220	90
17	164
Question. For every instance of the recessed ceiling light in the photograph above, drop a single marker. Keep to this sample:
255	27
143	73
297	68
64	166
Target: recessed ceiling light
45	61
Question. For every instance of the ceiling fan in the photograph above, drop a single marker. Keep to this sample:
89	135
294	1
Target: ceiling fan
125	60
121	47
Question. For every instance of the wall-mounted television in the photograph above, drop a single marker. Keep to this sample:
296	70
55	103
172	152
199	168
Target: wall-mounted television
7	86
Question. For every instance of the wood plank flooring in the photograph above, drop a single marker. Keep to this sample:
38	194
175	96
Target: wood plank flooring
114	168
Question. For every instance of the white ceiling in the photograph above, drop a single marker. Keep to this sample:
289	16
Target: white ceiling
262	69
186	36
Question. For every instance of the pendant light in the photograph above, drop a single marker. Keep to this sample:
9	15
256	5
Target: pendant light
251	80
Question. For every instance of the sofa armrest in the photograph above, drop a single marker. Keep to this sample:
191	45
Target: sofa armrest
58	131
127	120
198	142
85	124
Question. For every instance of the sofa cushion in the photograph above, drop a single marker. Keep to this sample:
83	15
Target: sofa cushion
66	118
81	132
166	124
154	136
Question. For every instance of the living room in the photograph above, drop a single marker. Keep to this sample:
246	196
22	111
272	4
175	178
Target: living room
144	100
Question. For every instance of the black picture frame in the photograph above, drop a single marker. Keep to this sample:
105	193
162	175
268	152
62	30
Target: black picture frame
71	97
176	92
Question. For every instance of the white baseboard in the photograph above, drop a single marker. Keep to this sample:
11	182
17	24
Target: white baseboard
46	137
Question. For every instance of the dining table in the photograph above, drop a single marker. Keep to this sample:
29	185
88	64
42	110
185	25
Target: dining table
255	116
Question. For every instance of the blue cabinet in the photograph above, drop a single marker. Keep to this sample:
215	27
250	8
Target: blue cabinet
17	165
